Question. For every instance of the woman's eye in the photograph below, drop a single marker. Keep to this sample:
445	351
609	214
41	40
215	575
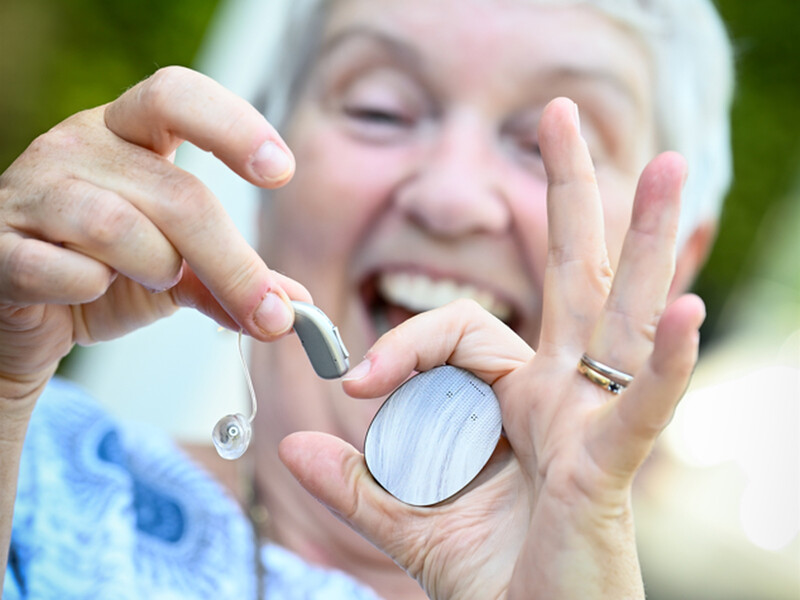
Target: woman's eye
381	105
522	147
377	116
378	124
529	147
527	151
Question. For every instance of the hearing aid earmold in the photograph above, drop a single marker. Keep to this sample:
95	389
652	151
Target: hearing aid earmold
326	352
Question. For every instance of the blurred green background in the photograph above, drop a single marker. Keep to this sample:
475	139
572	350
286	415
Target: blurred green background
58	57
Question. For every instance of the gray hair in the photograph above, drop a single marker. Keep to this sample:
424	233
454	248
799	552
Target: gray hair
692	59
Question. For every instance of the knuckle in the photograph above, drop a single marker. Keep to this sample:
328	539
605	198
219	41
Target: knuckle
159	96
170	269
158	90
640	322
21	318
470	307
647	328
42	143
635	328
605	273
601	285
17	204
563	255
184	196
59	141
48	156
566	254
109	220
559	254
77	125
239	279
21	272
600	277
597	276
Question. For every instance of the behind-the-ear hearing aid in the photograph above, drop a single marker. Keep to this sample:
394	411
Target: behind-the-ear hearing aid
427	442
328	356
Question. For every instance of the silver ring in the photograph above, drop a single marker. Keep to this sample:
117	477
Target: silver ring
608	378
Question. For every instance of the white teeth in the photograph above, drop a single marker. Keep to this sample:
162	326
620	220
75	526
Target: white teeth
417	293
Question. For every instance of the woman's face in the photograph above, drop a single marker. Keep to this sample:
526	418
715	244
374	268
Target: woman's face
419	178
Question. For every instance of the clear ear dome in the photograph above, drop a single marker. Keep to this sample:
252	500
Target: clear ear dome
231	436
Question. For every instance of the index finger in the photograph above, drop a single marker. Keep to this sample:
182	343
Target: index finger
177	104
461	333
155	116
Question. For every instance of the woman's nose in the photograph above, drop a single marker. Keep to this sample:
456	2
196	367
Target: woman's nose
455	188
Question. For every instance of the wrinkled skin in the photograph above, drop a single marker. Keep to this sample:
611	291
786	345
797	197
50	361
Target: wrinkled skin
90	252
101	234
551	517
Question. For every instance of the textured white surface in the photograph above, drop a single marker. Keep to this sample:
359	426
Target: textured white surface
433	435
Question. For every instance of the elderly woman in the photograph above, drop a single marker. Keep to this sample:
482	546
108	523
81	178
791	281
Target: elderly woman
501	163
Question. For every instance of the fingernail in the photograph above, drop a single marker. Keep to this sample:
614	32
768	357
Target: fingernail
576	116
273	316
271	162
359	371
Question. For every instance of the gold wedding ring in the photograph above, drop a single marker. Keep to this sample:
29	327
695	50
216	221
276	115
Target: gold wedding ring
608	378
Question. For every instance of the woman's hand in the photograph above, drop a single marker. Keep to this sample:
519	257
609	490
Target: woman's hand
101	234
550	516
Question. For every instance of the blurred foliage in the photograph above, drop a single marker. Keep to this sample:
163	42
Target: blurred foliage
766	144
59	57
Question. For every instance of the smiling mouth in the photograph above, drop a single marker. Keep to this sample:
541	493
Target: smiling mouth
394	296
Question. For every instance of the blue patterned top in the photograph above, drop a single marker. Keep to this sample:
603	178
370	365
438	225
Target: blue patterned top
105	511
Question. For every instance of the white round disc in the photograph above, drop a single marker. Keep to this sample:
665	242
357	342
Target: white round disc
433	435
